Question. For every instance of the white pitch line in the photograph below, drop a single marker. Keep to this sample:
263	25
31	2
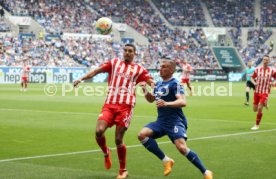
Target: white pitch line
61	112
134	146
41	111
229	121
96	114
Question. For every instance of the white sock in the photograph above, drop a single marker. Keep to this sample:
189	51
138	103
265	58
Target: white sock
145	140
188	151
206	172
166	159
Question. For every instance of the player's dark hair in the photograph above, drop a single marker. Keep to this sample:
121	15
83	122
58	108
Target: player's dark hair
265	56
131	45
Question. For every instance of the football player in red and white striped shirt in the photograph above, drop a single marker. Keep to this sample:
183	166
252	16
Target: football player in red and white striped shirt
186	71
262	79
24	76
274	82
118	108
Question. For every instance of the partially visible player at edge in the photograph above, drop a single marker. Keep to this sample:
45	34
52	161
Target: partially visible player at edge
262	79
186	71
249	72
171	121
274	82
24	75
118	108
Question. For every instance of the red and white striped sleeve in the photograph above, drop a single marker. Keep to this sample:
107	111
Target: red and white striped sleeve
107	66
144	76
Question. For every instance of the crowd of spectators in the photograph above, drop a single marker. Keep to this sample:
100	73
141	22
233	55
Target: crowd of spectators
268	13
38	52
199	35
4	27
182	12
238	13
136	13
258	36
90	52
57	16
16	7
235	34
256	46
179	44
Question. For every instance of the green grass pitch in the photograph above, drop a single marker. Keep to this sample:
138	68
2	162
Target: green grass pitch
34	127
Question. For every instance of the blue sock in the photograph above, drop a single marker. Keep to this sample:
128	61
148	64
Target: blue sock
196	161
151	145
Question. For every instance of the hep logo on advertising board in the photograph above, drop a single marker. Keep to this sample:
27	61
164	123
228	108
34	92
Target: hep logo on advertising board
16	78
61	78
37	78
11	78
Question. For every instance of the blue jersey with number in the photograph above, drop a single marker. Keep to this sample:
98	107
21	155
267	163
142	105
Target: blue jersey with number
249	72
167	90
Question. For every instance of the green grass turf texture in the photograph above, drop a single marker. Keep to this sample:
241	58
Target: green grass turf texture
34	124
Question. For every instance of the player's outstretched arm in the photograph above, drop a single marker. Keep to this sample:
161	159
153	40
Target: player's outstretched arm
89	75
148	95
178	103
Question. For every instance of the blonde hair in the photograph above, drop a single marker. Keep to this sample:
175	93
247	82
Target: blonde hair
171	62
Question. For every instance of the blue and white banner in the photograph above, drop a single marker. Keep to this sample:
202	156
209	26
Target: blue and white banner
11	75
68	75
50	37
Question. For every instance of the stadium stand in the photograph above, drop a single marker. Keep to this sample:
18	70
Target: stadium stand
235	34
39	52
60	16
56	16
4	27
177	43
258	36
137	14
238	13
182	12
268	13
256	46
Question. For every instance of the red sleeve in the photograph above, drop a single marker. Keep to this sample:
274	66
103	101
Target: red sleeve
107	66
274	75
254	74
144	76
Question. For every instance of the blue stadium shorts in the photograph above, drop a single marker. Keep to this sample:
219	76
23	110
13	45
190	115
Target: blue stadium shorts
173	132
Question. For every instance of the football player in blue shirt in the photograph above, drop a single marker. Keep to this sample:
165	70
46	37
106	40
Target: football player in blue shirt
171	121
